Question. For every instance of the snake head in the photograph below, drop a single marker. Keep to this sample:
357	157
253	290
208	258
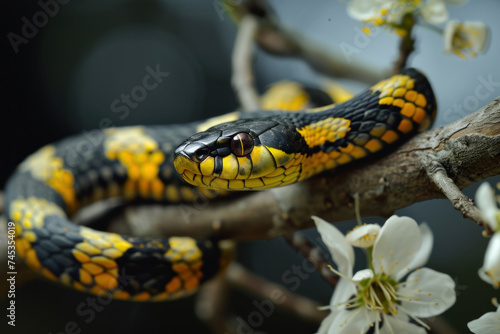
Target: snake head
241	155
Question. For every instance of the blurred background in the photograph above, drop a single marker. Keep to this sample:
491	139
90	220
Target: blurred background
64	78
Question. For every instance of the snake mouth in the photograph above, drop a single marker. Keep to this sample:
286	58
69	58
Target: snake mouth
218	183
239	173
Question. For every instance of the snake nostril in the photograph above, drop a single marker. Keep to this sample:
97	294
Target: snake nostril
201	154
180	150
196	152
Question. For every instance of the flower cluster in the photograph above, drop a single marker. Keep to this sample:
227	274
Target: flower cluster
384	297
486	200
460	38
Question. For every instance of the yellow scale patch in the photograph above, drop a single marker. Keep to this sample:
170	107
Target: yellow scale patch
97	254
141	156
45	166
330	129
285	95
186	259
27	214
399	91
287	171
243	173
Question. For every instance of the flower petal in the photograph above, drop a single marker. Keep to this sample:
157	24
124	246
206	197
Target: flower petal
356	320
342	252
344	290
488	323
486	202
326	323
424	251
363	236
396	246
364	10
462	38
398	324
491	265
362	275
427	293
434	11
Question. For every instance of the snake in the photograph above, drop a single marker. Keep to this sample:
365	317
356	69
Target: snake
176	164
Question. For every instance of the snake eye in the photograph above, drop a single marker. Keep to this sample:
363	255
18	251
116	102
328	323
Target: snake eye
201	153
241	144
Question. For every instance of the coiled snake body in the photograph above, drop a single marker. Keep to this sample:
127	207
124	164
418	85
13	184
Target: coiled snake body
237	151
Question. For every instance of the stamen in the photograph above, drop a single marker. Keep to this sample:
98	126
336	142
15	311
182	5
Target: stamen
373	301
406	282
392	291
388	324
368	319
417	320
388	296
351	315
415	300
351	302
377	326
379	303
342	275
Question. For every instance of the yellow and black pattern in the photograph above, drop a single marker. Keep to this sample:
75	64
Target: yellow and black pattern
282	148
237	151
133	162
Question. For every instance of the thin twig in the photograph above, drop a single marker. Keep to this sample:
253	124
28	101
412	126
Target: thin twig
242	80
406	47
275	39
406	44
458	199
313	254
211	305
300	306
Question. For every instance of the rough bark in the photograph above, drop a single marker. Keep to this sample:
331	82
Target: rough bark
463	152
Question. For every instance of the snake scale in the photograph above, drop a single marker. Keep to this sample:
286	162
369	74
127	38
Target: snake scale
237	151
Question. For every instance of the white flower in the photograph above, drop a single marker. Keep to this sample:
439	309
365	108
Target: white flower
392	11
363	235
461	38
434	11
488	323
380	11
374	296
485	200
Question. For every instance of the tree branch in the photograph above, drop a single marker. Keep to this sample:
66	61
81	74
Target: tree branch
460	202
275	39
468	151
242	80
313	253
300	306
406	47
406	43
